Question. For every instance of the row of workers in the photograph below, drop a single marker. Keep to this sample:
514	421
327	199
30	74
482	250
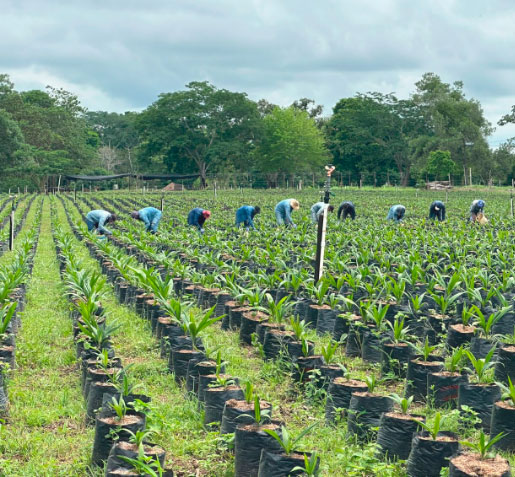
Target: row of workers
150	216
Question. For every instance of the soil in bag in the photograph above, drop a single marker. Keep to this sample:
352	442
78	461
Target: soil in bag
354	341
338	396
442	388
459	334
295	351
103	438
215	399
126	449
342	325
275	341
416	379
480	347
249	441
505	365
471	465
395	358
181	358
364	415
238	412
503	420
372	350
325	320
249	322
481	398
395	434
281	465
428	456
264	327
235	318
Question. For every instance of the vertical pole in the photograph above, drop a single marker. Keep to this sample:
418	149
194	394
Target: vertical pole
322	227
319	261
11	230
449	179
470	175
25	189
83	188
446	195
162	204
464	175
214	188
313	180
75	192
59	183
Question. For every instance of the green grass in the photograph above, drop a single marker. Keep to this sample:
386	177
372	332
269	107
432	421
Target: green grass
45	432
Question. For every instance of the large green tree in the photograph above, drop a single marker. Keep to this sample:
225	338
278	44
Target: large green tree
200	129
455	124
118	138
291	143
367	135
56	139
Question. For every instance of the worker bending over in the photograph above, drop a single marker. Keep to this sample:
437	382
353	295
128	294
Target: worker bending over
150	216
318	209
245	215
96	219
346	209
283	211
476	208
437	211
396	213
197	217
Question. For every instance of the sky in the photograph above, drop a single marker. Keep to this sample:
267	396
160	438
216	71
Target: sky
119	55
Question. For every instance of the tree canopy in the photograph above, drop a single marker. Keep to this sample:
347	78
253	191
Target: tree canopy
371	137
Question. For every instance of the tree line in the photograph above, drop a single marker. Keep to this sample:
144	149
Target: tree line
372	138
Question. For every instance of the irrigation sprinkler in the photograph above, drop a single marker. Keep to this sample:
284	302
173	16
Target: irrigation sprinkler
322	226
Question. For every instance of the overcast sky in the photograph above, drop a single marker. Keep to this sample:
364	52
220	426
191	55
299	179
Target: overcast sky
118	55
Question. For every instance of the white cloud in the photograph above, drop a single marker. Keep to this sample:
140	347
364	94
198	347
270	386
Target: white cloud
120	55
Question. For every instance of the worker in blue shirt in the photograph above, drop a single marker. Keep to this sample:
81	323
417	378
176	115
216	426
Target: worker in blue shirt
197	217
476	207
96	219
150	216
318	209
396	213
437	211
245	216
346	209
283	211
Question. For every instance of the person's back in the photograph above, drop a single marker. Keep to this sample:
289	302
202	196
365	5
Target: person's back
476	208
437	211
95	219
245	215
284	209
346	209
151	217
197	217
396	213
316	210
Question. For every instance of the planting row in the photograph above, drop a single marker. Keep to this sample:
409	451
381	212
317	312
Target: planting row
377	311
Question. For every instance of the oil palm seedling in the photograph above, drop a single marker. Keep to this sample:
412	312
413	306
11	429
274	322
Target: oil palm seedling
194	323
